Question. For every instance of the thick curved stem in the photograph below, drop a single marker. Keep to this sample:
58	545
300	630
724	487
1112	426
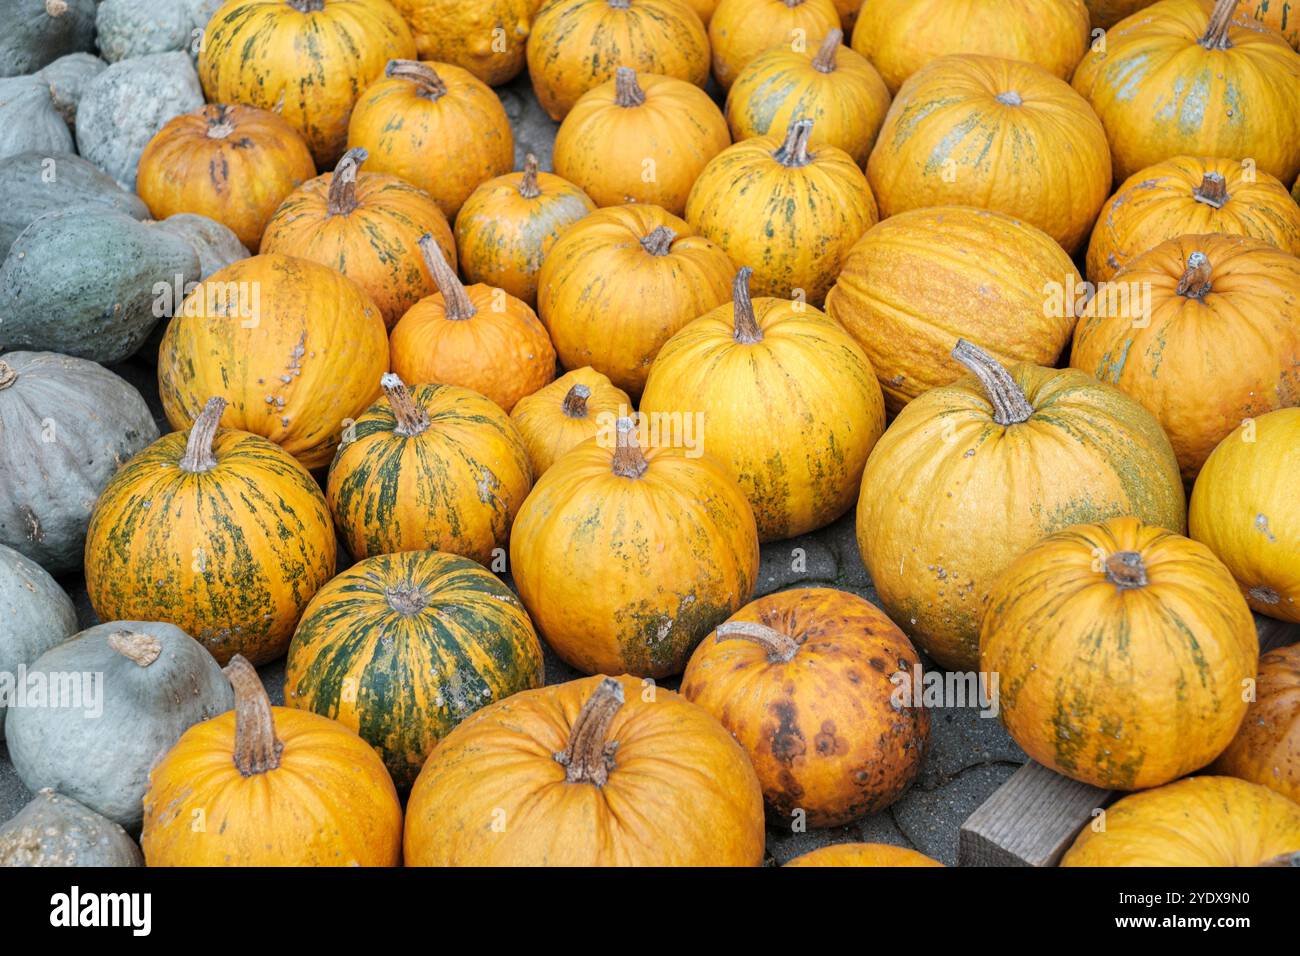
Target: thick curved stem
528	187
1216	33
412	420
1213	190
422	75
220	125
1197	280
1126	571
198	456
7	375
779	647
1010	406
575	401
824	61
629	461
140	649
342	197
455	299
659	242
590	755
257	749
747	331
794	151
627	92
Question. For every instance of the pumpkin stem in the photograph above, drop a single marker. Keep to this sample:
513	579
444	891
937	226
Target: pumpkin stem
780	647
528	187
1213	190
307	6
793	153
1196	281
747	331
219	123
455	299
1216	32
421	74
590	757
198	456
7	375
1010	406
1125	570
1010	98
56	8
342	198
139	649
659	242
575	402
256	748
412	420
629	461
406	600
627	92
620	4
824	61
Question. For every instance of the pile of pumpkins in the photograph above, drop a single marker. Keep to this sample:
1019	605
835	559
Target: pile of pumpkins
613	381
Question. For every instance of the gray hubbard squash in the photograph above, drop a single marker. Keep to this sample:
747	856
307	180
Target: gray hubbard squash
35	615
36	32
54	830
156	682
67	78
28	118
34	183
129	28
215	244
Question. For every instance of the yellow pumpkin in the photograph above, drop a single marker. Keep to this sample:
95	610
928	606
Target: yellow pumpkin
863	854
566	413
486	37
740	30
1281	15
1266	749
705	8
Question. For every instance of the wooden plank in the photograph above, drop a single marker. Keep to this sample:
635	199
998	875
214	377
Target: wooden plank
1274	633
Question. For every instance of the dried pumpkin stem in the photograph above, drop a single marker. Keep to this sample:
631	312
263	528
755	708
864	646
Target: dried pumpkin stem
1010	406
629	461
1213	190
412	420
257	749
140	649
824	61
1216	33
780	647
219	123
620	4
56	8
406	600
7	375
421	74
528	187
1126	570
1197	280
575	401
660	241
342	198
793	153
747	331
307	6
1010	98
455	299
590	755
627	92
198	456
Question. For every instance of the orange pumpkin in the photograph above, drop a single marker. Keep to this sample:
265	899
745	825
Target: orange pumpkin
863	854
566	413
1281	15
740	30
1266	749
486	37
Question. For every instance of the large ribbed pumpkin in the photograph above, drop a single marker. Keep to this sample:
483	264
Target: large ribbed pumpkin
740	30
970	474
863	854
1266	749
566	413
917	281
486	37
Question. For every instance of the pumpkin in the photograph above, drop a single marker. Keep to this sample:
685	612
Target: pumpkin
234	164
617	284
640	139
293	347
1189	196
1266	749
270	786
219	532
789	401
566	413
740	30
29	120
593	772
576	45
1246	508
54	830
127	28
436	126
1200	821
305	59
155	682
1219	310
439	468
67	78
863	854
403	647
1173	80
72	423
36	615
1281	15
998	134
509	223
1106	13
705	8
486	37
214	244
915	280
38	31
838	89
803	680
790	208
35	183
366	226
971	474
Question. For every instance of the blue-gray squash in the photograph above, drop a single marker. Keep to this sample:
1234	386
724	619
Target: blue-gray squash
66	426
36	32
35	615
35	183
28	118
55	830
141	685
215	244
128	28
67	78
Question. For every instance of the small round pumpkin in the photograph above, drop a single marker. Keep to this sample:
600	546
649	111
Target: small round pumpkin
566	413
863	854
486	37
270	786
740	30
1266	749
595	772
234	164
640	139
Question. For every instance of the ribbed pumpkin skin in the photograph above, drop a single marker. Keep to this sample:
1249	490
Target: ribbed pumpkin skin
455	487
312	326
1159	203
1282	15
680	792
1160	94
1122	687
548	431
577	45
863	854
401	647
1246	508
239	178
948	140
230	556
453	31
918	281
740	30
1106	13
1266	749
308	67
1200	821
1241	341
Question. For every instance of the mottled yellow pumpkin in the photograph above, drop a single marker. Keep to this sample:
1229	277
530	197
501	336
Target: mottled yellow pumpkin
740	30
863	854
566	413
1266	749
486	37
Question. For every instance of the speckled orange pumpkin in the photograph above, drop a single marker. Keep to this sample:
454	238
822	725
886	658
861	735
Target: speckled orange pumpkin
1266	749
863	854
564	414
740	30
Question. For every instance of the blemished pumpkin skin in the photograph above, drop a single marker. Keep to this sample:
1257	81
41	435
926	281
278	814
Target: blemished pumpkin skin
789	403
1245	507
839	90
637	128
509	223
740	30
216	531
292	345
593	772
915	280
566	413
1200	821
306	60
1266	749
970	474
1104	14
234	164
1221	342
1190	196
439	467
272	786
436	126
789	209
999	134
1191	78
863	854
1123	650
802	679
470	35
627	554
402	647
617	285
366	226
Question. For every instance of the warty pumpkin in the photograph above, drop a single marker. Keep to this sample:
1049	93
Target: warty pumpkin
789	208
863	854
617	285
566	413
971	474
915	281
366	226
640	139
270	786
595	772
54	830
740	30
627	554
998	134
1195	78
486	37
1266	749
1213	339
